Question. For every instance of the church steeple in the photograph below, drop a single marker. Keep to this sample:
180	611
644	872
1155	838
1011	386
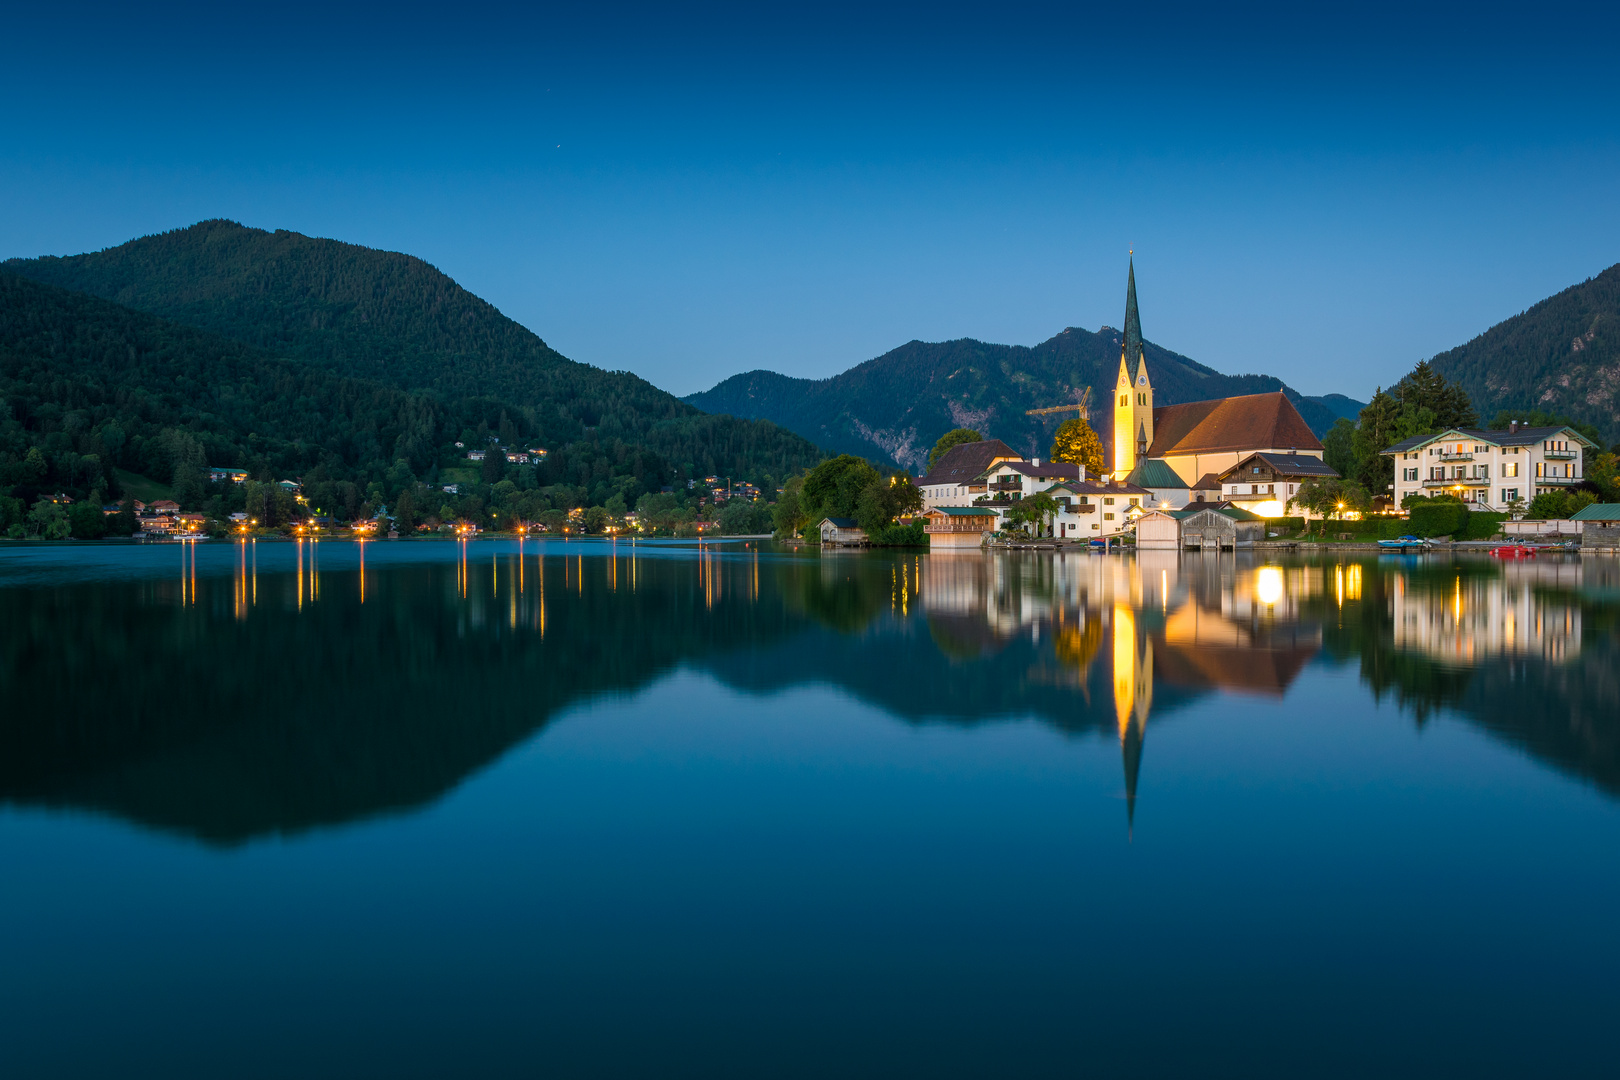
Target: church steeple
1133	394
1131	354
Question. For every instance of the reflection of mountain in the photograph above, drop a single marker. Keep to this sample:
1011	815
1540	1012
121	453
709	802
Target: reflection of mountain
231	709
306	713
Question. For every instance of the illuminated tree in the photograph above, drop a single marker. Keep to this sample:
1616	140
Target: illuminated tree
1077	444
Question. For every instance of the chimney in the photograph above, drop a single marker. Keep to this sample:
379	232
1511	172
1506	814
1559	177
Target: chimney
1513	426
1035	461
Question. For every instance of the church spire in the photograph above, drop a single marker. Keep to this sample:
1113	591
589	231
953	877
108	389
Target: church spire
1132	352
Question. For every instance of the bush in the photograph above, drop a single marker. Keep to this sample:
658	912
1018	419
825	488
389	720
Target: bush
1437	518
899	536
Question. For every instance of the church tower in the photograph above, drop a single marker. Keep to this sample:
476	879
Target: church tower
1133	392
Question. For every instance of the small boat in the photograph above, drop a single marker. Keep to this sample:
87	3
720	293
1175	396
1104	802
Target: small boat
1514	551
1405	543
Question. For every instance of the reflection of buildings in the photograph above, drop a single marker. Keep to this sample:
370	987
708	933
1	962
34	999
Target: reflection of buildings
1526	610
1196	623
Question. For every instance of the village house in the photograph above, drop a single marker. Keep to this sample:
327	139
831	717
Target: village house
235	476
167	507
1263	483
1095	507
475	455
1490	469
955	479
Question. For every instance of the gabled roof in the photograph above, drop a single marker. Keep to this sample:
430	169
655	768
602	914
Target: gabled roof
1208	482
842	523
1052	470
964	511
1597	512
1249	422
1154	473
1285	465
964	461
1525	436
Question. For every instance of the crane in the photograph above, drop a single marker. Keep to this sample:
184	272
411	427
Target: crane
1083	405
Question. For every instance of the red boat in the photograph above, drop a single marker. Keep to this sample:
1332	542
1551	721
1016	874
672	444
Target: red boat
1514	551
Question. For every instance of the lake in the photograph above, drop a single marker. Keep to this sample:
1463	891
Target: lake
595	808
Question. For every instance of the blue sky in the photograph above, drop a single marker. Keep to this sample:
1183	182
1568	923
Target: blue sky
1324	194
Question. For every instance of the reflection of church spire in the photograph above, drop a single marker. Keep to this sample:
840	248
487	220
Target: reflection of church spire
1133	698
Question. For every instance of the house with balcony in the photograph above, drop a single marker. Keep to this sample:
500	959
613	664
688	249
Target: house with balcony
1490	469
1088	508
955	479
1263	483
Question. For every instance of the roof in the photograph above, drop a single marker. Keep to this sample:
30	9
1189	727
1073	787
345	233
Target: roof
1236	513
1208	482
964	461
1287	465
964	511
1597	512
1154	473
1097	487
842	523
1525	436
1234	423
1052	470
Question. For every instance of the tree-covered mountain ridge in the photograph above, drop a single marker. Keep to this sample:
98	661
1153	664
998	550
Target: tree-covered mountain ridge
396	320
896	405
1561	356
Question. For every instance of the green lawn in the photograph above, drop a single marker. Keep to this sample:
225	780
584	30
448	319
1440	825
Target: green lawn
142	488
458	476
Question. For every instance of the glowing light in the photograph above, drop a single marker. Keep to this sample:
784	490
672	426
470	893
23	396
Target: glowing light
1268	585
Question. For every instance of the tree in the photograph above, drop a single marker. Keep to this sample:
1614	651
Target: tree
832	488
494	466
49	520
1339	448
1034	510
595	519
954	437
1076	444
405	513
788	515
1326	496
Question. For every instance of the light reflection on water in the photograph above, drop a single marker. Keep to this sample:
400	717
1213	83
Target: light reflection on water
796	791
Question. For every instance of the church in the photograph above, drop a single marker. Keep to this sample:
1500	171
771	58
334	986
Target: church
1190	452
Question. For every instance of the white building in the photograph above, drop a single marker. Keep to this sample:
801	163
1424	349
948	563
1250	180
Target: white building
1490	468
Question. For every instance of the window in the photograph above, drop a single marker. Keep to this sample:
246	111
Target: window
1108	517
1541	469
1511	468
1109	502
1123	400
1257	470
1136	500
1509	494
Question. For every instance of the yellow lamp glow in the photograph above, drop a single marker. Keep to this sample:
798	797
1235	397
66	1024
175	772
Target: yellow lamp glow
1268	585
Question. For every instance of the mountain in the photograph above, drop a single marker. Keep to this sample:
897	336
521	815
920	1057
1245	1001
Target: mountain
94	386
1562	356
396	321
898	404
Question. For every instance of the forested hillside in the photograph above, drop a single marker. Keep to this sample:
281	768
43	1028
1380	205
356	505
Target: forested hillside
897	405
395	320
1562	356
88	387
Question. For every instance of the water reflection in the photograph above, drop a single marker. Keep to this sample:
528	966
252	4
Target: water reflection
357	679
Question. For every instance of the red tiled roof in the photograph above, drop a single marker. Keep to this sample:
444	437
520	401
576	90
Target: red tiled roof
964	461
1250	422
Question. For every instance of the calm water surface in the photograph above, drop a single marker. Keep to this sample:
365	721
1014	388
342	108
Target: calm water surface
586	809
